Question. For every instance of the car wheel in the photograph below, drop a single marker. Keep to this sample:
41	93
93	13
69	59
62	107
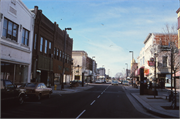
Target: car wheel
21	100
39	97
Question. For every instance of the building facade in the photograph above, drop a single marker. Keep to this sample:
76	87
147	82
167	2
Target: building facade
101	74
79	64
48	51
16	38
159	44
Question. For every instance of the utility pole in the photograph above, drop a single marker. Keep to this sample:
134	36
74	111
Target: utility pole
155	74
62	85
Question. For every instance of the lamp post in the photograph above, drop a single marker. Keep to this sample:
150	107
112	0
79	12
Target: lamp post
93	67
127	71
62	86
132	66
155	55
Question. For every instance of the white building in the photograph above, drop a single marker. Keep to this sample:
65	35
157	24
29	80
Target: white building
154	44
144	57
101	74
94	71
16	38
79	64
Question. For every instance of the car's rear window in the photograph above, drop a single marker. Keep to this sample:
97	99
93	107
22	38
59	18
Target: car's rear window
31	85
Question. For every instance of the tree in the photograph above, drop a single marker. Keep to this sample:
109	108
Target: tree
169	51
118	75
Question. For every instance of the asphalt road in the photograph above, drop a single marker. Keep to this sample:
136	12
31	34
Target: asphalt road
101	101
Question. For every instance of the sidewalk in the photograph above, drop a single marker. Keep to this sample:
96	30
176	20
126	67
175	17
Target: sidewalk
67	89
154	106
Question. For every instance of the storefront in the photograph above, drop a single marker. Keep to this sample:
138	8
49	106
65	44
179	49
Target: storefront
17	73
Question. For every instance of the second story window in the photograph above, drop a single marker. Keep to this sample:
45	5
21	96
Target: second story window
63	55
164	61
25	37
60	55
41	44
35	41
54	52
45	47
10	30
57	53
49	47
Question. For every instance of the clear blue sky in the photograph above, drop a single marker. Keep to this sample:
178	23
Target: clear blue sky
109	29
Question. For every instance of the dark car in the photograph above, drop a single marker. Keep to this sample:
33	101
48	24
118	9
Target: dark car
10	92
36	90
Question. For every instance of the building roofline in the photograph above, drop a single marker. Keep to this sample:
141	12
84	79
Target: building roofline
147	38
178	11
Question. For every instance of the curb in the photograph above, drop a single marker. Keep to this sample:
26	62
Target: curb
152	110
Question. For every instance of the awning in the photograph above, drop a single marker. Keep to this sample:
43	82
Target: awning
137	72
177	73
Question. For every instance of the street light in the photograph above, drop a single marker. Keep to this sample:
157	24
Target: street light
62	86
155	55
93	65
127	71
132	65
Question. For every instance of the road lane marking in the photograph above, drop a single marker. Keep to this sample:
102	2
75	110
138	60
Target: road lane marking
92	102
98	96
80	114
102	93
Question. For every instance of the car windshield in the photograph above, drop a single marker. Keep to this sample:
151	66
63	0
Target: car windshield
31	85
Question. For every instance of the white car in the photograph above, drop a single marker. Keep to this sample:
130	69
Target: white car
114	82
125	82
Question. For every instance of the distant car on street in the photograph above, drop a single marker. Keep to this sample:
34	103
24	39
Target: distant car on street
98	81
36	90
125	83
10	92
114	82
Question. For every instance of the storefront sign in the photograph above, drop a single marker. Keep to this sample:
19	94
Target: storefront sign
146	72
150	63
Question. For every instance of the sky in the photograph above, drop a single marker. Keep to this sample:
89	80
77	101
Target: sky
109	29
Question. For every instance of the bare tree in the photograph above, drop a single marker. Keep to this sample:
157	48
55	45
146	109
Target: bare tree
169	50
118	75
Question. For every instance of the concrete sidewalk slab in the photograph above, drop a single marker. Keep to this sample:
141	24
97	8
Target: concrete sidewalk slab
154	105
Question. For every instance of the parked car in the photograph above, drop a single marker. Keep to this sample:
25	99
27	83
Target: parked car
10	92
125	82
36	90
114	82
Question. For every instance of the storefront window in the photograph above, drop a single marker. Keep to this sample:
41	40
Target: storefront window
56	78
21	74
14	72
7	71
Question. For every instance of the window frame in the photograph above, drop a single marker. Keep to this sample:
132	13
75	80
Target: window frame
7	35
45	46
164	62
41	45
25	39
35	41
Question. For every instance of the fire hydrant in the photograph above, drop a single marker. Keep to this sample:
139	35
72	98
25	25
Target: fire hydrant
55	86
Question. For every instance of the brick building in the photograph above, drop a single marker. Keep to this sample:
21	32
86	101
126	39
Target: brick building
48	51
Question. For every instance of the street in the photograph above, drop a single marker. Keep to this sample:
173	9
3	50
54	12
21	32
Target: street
101	101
